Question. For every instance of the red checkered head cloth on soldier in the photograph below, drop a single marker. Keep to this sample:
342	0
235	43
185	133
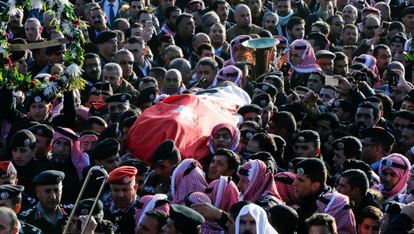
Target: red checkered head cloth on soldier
187	177
284	185
223	192
337	205
258	181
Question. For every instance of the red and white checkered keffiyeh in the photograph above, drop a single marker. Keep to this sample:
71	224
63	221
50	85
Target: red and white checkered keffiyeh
80	160
395	162
337	205
187	177
234	132
151	202
284	185
223	192
257	180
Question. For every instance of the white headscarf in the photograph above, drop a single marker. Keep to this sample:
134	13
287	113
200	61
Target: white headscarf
259	215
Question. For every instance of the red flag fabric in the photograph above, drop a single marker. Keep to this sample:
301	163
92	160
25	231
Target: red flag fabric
187	119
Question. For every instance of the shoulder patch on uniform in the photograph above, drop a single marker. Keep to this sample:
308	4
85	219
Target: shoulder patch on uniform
26	213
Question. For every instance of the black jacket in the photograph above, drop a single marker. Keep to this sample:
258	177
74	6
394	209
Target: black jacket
307	208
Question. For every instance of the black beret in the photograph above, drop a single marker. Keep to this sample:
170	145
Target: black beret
85	207
166	150
90	132
404	114
119	97
147	95
325	54
105	149
247	133
280	142
349	144
307	136
294	162
186	220
284	217
23	138
298	110
268	88
49	177
112	131
380	134
267	158
399	38
262	100
358	164
42	130
9	191
66	133
407	11
105	36
313	168
37	97
250	108
142	167
17	55
344	104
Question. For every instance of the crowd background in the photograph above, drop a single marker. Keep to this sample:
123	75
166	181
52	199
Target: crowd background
324	141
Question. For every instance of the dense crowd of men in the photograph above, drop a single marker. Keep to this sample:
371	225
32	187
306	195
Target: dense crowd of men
325	146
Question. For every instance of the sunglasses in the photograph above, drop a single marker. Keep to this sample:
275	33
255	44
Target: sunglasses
126	63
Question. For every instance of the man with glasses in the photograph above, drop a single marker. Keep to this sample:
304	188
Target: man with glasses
336	24
142	65
369	26
376	143
126	60
383	55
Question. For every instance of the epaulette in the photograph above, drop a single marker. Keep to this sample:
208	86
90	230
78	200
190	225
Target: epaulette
67	206
27	212
31	200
